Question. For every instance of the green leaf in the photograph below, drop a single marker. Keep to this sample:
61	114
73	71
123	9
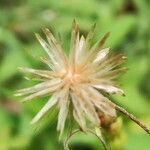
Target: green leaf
120	29
14	56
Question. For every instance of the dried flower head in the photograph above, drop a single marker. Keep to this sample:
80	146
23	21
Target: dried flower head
77	81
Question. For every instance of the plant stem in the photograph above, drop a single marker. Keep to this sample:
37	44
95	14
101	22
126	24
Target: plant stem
88	130
132	117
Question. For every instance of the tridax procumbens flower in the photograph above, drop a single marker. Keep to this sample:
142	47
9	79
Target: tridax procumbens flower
77	81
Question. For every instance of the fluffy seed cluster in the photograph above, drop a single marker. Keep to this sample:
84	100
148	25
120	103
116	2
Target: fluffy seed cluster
78	81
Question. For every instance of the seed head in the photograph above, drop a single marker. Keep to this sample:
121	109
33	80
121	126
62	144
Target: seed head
77	80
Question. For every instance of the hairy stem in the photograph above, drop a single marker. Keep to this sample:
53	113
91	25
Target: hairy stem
66	142
100	138
132	117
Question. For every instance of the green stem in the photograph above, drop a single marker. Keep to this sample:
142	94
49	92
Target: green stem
66	142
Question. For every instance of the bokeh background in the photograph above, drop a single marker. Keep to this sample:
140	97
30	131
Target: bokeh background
128	22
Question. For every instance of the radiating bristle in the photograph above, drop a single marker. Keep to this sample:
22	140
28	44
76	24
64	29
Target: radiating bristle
77	83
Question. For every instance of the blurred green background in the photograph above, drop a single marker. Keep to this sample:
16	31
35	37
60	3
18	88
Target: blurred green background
127	20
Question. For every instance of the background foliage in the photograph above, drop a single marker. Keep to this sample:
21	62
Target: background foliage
128	22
